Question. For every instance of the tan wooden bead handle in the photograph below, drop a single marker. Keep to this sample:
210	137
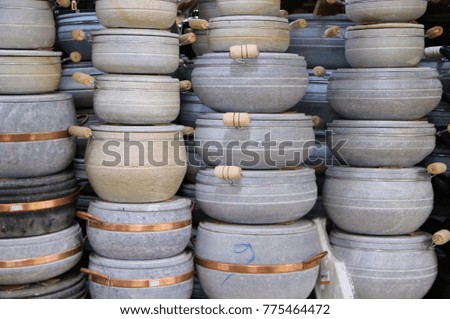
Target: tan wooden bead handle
437	168
336	2
80	131
319	71
199	24
63	3
434	32
188	131
231	173
78	35
236	119
185	85
188	30
83	78
187	38
75	57
317	121
298	24
283	14
246	51
441	237
332	32
433	53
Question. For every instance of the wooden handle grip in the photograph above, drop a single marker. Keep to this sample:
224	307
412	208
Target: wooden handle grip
283	14
188	131
187	38
441	237
199	24
75	57
231	173
317	121
80	131
437	168
63	3
84	79
236	119
185	85
434	32
332	32
298	24
246	51
78	35
319	71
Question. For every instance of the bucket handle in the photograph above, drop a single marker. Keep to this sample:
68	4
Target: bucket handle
229	173
436	168
441	237
298	24
87	217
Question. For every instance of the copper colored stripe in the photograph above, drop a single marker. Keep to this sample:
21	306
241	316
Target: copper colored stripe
40	260
260	269
136	283
33	137
140	228
29	207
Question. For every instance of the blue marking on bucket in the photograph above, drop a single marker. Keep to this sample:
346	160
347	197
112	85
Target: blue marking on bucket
240	249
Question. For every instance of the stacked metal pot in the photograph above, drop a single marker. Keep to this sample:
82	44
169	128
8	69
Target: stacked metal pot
255	187
135	159
381	200
39	240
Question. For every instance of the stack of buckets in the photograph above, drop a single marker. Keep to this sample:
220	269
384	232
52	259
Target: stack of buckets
138	229
74	37
256	237
381	201
39	241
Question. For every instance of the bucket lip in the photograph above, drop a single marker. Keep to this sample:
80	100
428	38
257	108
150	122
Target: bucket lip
136	32
108	128
381	242
261	56
50	97
275	174
136	78
339	18
175	203
255	117
178	260
79	65
66	281
297	227
382	174
389	71
58	238
75	15
58	178
389	25
245	18
29	53
349	124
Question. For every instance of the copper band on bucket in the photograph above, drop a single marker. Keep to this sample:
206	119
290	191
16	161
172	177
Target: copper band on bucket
260	269
97	223
104	280
37	261
33	137
34	206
